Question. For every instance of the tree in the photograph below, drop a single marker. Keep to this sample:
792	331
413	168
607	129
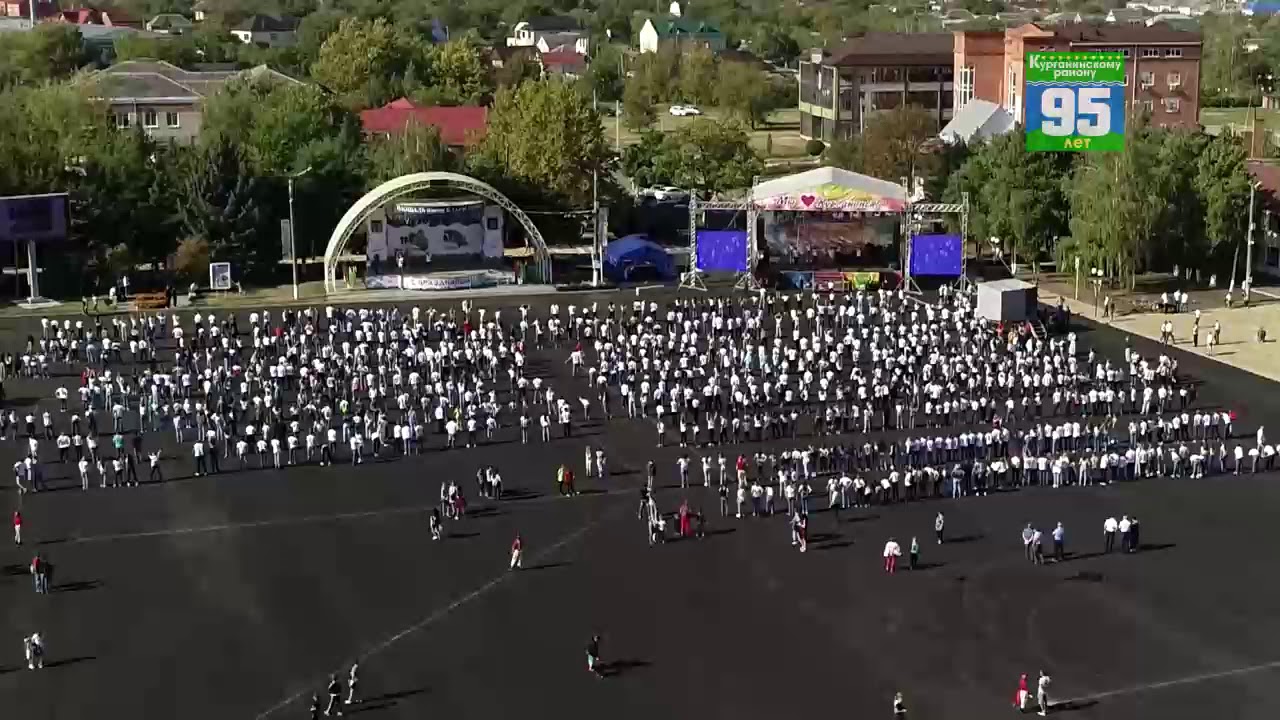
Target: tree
897	143
1222	183
417	149
521	66
745	91
49	52
176	50
459	72
844	154
773	43
361	59
1115	209
698	77
604	76
704	156
637	108
545	135
221	206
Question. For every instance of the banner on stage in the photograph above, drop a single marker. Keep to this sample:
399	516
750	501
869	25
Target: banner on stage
862	280
453	281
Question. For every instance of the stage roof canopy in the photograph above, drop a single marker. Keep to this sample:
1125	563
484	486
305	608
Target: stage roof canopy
829	189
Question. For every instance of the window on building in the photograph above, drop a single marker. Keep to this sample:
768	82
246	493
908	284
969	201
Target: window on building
1011	95
122	120
1149	106
1150	52
171	119
1175	80
1147	79
1172	105
1125	51
150	119
1173	52
964	87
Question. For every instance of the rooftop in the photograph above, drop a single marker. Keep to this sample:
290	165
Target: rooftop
460	125
1113	33
885	48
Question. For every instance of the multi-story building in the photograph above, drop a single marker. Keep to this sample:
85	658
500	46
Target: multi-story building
872	73
1162	70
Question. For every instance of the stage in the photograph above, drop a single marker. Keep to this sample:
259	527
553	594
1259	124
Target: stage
441	280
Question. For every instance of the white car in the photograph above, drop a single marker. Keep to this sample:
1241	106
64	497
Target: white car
666	193
683	110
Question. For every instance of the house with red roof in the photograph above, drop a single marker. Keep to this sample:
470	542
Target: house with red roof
94	16
459	126
563	62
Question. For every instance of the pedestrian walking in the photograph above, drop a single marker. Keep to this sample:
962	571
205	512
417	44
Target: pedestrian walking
913	556
1059	543
1021	695
899	707
33	644
335	697
1109	528
351	683
892	551
1042	693
593	656
939	523
17	527
517	553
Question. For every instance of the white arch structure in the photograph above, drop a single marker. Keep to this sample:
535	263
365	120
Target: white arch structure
416	182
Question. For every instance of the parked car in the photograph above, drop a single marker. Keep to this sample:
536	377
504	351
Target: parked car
665	193
683	110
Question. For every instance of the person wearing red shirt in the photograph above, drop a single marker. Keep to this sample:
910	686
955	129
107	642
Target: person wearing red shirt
17	528
517	553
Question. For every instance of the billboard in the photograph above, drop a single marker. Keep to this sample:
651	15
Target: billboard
1075	101
33	217
435	229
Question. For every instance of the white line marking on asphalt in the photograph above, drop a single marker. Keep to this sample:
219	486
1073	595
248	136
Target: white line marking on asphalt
437	615
1189	680
307	519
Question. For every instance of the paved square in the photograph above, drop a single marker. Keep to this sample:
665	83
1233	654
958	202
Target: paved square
236	595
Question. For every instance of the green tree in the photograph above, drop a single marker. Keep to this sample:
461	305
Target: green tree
221	205
545	135
417	149
705	156
362	59
1222	183
604	76
698	73
521	66
898	143
50	52
774	43
176	50
746	92
459	72
844	154
637	107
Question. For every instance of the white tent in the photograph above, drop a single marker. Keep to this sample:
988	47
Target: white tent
829	189
977	120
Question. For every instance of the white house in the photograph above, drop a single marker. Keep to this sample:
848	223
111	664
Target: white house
548	33
267	30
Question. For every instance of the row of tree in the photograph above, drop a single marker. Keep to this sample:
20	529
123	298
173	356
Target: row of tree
137	201
698	77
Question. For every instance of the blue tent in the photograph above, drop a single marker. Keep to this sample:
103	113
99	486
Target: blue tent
627	254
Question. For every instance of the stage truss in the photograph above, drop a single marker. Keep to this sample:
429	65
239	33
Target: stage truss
913	215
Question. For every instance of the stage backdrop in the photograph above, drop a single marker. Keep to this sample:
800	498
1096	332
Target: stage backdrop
722	251
939	255
420	229
819	233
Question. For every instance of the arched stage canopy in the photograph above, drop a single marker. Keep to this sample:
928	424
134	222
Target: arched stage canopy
417	182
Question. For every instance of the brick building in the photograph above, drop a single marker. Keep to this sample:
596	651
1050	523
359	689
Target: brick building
1162	69
875	72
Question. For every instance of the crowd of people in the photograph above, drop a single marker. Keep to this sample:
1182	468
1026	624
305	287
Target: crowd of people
866	398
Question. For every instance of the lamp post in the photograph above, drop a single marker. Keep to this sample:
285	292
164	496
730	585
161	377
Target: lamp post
1095	279
1248	254
293	245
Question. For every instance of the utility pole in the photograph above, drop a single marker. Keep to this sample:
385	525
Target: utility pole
293	233
597	259
1248	255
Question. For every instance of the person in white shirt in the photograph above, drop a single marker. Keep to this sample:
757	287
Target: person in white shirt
197	451
154	458
892	551
1042	693
1109	527
84	473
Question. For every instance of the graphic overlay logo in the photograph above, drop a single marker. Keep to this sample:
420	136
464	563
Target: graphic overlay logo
1075	101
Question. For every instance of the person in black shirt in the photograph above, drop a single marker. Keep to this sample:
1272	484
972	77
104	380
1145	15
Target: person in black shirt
593	656
315	707
335	697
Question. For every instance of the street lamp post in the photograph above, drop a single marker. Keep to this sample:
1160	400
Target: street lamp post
293	245
1095	279
1248	254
